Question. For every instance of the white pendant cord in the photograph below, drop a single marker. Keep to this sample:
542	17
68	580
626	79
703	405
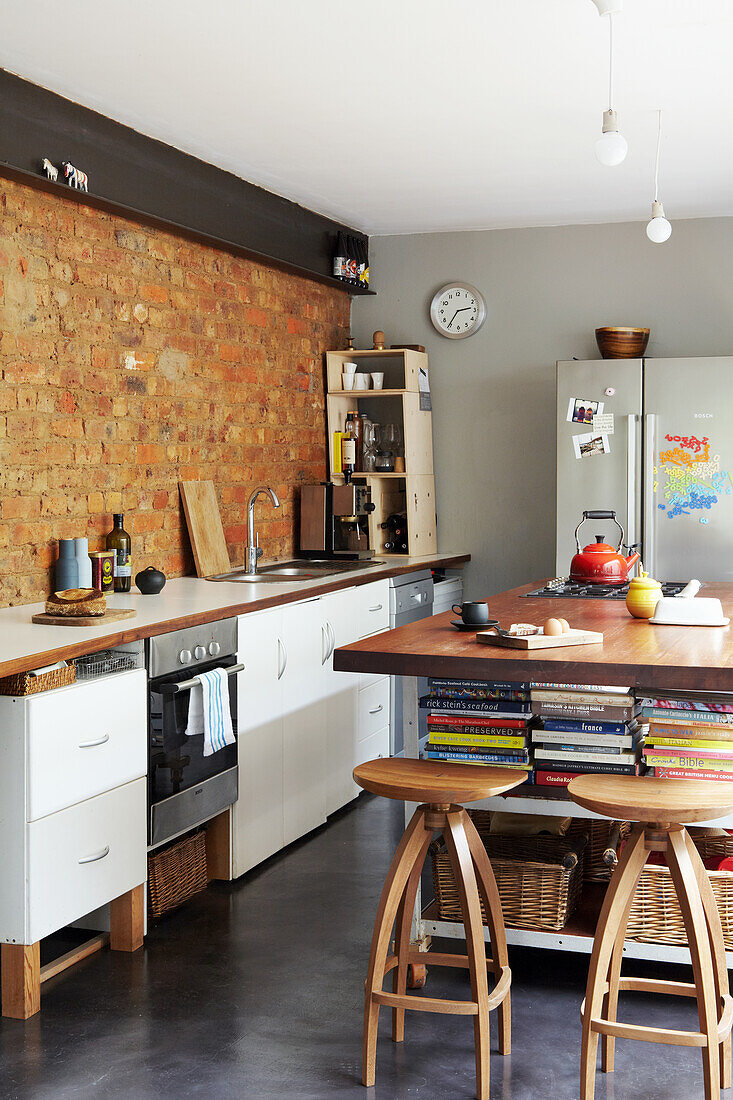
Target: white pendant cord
610	61
656	163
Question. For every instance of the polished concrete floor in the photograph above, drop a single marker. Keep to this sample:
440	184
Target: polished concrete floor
255	991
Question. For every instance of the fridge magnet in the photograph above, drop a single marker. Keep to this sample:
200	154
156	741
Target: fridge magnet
74	177
52	172
582	410
603	423
588	445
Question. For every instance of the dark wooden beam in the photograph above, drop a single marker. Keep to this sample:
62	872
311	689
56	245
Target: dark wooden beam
144	179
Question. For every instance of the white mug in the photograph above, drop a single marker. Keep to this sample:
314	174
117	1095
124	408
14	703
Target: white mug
348	381
377	379
361	382
349	368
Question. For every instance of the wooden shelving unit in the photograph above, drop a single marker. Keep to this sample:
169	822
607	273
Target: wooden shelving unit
401	402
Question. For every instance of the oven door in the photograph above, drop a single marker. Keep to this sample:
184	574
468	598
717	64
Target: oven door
185	787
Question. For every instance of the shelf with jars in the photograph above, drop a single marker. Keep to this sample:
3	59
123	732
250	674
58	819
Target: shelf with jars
392	429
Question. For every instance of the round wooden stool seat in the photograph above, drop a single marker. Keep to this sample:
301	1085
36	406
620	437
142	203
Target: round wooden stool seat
434	781
638	798
658	807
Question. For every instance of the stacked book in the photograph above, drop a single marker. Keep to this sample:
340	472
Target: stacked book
479	722
688	739
593	729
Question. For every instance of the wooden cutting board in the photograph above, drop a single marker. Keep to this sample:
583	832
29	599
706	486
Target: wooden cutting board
541	641
204	527
112	615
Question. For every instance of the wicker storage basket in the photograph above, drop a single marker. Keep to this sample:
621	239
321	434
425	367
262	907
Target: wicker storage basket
655	915
539	878
176	873
25	684
600	840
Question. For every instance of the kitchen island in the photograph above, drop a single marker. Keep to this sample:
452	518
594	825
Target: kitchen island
634	653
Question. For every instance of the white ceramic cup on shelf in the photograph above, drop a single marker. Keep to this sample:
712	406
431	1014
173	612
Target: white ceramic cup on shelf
377	379
361	381
349	368
348	381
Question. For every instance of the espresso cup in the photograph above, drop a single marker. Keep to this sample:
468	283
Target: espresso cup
473	613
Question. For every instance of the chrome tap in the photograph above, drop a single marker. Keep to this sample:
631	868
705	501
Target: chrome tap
253	551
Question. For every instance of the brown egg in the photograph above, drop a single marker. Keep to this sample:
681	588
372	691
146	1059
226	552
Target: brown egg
565	625
552	627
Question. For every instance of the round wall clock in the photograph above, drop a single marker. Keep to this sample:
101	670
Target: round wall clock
457	310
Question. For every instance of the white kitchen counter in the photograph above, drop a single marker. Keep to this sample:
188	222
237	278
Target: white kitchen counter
185	601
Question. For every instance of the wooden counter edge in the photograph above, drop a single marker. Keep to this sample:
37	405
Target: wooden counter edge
278	599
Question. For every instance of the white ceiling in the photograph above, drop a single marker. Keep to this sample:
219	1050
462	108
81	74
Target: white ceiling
403	116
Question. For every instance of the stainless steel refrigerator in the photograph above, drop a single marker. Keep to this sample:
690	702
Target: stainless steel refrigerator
664	462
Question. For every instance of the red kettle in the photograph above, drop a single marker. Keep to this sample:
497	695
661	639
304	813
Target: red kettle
599	563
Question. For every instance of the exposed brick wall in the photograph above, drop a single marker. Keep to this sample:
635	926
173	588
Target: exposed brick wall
132	359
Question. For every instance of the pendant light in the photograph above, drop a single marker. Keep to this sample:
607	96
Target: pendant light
611	147
658	229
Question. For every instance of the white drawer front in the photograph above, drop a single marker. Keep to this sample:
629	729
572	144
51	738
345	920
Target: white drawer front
372	747
371	608
83	857
84	740
373	708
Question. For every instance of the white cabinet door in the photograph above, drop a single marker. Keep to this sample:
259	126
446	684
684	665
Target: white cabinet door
342	692
304	644
257	830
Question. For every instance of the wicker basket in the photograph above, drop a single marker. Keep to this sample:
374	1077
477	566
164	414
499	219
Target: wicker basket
655	915
539	878
25	684
176	873
602	837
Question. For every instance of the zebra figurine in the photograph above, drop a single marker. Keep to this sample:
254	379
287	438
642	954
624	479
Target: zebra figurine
51	170
74	177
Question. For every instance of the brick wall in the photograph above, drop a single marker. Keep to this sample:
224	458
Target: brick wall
131	359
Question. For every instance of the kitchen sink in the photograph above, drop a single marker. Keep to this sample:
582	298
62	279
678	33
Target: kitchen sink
298	570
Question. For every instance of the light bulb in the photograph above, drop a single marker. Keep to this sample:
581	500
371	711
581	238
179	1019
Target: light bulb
611	147
658	229
608	7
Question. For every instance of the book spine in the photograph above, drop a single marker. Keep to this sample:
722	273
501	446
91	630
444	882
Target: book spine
587	767
459	721
572	754
485	746
478	706
478	685
583	698
687	773
687	717
552	778
605	742
711	731
591	750
688	743
587	711
458	738
689	707
481	758
567	725
682	759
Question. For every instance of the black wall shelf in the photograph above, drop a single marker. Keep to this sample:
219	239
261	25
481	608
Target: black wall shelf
147	181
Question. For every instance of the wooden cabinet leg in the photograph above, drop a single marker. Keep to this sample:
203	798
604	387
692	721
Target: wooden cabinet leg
21	980
126	920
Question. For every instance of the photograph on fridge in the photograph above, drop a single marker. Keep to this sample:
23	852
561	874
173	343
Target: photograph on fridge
590	444
582	410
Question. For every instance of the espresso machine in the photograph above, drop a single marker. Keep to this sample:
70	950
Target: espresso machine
334	521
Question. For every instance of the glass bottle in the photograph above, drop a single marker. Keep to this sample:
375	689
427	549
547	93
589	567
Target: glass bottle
119	541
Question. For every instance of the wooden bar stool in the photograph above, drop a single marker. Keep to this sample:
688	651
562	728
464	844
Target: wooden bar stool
440	787
658	806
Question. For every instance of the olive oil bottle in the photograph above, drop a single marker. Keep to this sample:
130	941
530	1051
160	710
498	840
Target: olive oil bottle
119	541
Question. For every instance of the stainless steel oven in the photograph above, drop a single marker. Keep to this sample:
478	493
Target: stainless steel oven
185	787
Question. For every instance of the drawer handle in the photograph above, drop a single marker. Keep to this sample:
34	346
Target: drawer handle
377	709
97	855
93	744
377	608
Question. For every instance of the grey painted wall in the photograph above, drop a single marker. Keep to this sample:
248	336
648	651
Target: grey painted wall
547	290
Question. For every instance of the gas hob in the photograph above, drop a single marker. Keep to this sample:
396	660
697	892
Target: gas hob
564	588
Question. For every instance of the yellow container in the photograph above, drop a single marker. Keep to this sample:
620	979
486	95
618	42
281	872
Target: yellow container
337	462
643	595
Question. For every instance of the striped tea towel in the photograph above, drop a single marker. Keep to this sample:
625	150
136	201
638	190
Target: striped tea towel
209	713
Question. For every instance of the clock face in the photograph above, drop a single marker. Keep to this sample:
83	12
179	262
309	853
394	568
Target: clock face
457	310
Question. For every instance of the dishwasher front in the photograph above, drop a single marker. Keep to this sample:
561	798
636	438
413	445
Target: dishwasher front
410	599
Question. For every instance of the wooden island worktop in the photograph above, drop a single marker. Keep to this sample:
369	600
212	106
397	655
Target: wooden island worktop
633	653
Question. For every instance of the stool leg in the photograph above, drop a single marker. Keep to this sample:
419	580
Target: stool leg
717	946
403	927
392	891
489	893
465	878
688	895
620	889
610	1001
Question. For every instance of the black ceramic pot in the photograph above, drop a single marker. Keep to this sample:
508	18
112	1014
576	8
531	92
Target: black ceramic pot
150	581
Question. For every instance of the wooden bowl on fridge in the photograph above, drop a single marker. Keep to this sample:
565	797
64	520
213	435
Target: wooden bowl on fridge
622	343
